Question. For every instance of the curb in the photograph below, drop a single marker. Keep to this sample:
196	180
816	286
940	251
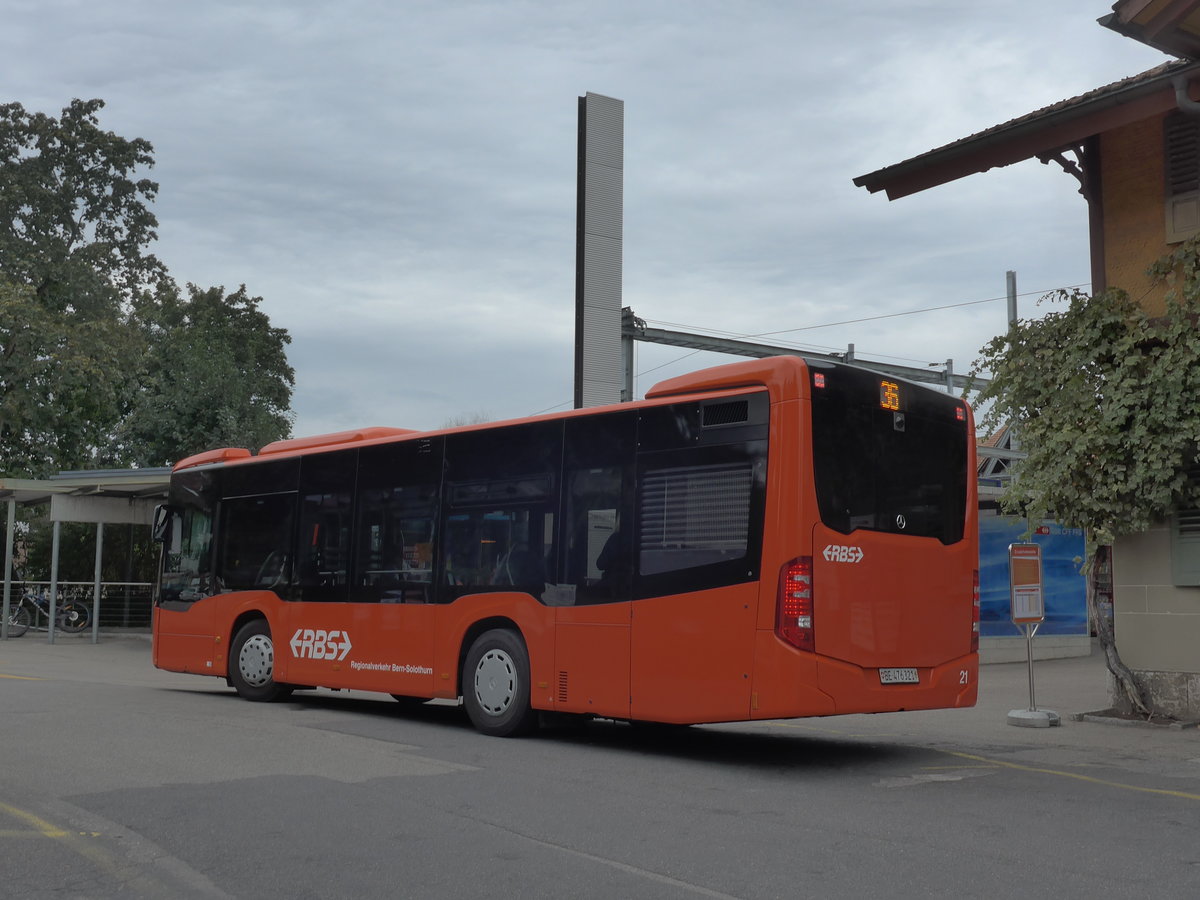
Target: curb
1103	717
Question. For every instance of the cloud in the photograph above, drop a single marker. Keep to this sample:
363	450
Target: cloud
397	181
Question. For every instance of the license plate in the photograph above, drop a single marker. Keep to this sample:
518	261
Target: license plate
898	676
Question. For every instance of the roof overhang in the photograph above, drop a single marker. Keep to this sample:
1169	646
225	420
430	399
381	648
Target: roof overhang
1172	26
1046	131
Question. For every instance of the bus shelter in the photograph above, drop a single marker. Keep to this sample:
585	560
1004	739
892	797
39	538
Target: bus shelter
102	496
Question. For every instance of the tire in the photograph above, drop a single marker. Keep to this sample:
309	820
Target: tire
72	617
252	664
18	620
495	681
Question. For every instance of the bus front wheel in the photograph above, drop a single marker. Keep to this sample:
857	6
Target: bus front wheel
496	685
252	664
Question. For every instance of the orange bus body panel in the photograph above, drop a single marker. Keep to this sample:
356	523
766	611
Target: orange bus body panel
858	690
785	681
388	646
693	654
591	659
901	604
183	641
534	621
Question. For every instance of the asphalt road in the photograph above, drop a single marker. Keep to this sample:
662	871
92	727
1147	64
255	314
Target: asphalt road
118	780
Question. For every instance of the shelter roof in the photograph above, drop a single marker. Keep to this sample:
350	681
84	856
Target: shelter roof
127	483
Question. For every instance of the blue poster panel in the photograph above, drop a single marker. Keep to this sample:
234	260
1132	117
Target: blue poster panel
1063	586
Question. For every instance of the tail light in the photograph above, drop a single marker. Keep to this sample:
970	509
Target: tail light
794	607
975	611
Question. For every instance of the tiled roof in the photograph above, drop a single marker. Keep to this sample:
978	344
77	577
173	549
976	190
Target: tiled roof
1163	73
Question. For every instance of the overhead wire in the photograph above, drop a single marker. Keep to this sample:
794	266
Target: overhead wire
738	336
911	312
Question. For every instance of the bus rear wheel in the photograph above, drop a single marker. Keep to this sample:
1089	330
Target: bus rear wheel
495	682
252	664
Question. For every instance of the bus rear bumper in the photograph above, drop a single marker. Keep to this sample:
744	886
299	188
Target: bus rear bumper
855	689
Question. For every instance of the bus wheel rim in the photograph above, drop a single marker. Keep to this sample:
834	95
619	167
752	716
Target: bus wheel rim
256	661
495	682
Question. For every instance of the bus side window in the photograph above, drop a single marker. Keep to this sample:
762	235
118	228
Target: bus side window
700	517
598	507
497	548
598	549
395	529
500	502
323	538
255	543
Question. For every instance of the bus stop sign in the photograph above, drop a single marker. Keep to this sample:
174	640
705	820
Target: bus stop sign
1025	583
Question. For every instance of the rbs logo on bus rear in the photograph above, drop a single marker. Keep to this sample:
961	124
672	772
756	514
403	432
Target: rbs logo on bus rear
842	553
320	644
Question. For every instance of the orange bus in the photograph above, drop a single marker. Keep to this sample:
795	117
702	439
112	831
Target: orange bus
768	539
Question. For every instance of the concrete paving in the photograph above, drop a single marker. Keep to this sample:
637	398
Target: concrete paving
1071	687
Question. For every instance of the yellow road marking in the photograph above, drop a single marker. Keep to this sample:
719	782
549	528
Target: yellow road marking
20	677
41	834
984	762
939	768
1183	795
44	828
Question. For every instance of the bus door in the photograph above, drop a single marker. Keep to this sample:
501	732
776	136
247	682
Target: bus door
592	605
184	608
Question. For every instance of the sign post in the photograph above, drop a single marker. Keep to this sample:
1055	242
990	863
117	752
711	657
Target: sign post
1028	612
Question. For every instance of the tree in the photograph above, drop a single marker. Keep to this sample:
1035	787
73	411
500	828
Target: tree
74	221
74	227
1105	400
102	362
215	375
62	377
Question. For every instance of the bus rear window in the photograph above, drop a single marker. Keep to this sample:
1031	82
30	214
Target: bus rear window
889	458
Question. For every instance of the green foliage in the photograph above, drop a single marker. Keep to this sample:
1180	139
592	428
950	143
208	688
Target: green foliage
1105	400
62	379
215	375
129	553
74	222
102	362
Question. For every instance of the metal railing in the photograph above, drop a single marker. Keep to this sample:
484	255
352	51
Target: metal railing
120	604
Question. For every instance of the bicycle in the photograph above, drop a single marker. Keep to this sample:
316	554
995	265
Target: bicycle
70	616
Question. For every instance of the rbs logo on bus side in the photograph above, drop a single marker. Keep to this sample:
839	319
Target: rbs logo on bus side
842	553
320	644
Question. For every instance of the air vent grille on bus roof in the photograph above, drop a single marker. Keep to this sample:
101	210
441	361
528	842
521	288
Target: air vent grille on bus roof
733	412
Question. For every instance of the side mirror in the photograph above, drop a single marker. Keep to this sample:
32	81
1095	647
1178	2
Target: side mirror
160	530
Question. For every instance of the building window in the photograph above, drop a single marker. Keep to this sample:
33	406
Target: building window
1181	165
1185	540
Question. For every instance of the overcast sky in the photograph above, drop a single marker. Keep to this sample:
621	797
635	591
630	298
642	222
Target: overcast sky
397	179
